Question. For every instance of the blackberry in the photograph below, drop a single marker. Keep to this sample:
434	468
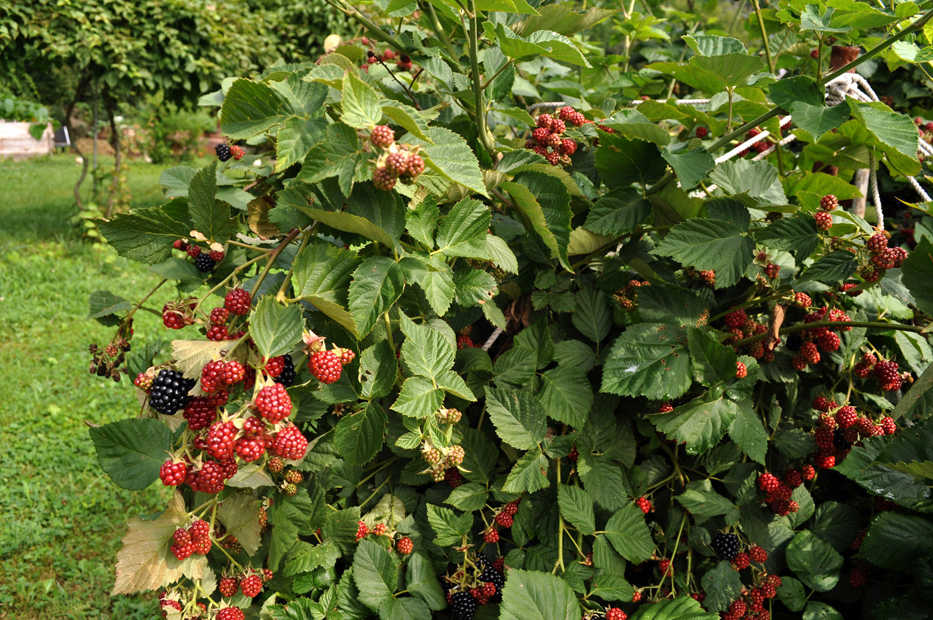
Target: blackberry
204	263
223	152
462	606
288	375
726	546
169	391
493	576
839	440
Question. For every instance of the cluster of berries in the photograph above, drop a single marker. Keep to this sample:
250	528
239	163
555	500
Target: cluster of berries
363	530
107	361
778	492
706	277
759	147
627	297
477	582
644	504
751	605
504	518
174	601
249	583
839	428
402	61
881	257
226	151
204	260
465	342
398	162
547	137
440	459
741	326
193	540
823	339
886	372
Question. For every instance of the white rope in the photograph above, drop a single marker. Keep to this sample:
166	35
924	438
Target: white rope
492	338
751	141
919	189
875	194
773	147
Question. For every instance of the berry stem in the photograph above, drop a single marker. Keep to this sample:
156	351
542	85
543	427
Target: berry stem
816	324
479	104
140	303
229	277
274	255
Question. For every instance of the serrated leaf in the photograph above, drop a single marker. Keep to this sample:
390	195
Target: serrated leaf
683	608
604	480
576	507
407	117
275	328
704	244
712	361
834	267
208	216
426	351
421	580
759	180
146	235
796	234
305	557
250	476
418	398
359	435
700	424
591	315
449	527
468	497
894	541
531	595
818	119
792	593
529	474
610	587
240	515
545	203
378	369
918	275
450	156
501	254
703	502
250	108
360	103
375	573
722	585
452	383
462	232
474	287
434	278
403	608
144	561
814	561
621	161
648	359
691	166
566	395
629	535
377	284
749	433
191	355
517	416
132	451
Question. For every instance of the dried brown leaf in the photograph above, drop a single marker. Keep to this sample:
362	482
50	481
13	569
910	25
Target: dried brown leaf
774	333
258	217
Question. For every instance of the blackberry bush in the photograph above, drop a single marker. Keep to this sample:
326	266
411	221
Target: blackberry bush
513	329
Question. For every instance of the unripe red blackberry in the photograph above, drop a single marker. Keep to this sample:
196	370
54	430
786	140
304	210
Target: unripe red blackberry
273	403
577	119
404	545
231	613
384	179
221	437
888	424
772	270
828	341
828	202
886	372
275	465
290	444
736	319
219	316
361	530
758	554
741	561
665	408
802	299
217	333
768	482
846	416
553	158
877	243
251	585
808	472
294	476
238	301
826	461
568	146
544	121
541	135
557	126
809	352
823	220
382	136
615	613
325	366
702	132
172	318
397	163
173	472
237	151
792	478
566	113
504	519
415	165
250	449
227	586
212	376
644	504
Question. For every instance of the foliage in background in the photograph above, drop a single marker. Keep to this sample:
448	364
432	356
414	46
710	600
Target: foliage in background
488	330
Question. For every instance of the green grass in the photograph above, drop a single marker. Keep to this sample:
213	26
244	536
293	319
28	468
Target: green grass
62	516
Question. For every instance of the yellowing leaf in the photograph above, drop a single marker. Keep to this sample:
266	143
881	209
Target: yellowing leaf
240	515
191	355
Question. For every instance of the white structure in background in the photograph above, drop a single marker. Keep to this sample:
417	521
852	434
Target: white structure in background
18	143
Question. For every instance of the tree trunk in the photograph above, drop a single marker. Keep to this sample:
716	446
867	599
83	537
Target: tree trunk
117	157
69	110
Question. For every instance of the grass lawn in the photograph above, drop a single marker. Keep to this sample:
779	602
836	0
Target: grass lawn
62	517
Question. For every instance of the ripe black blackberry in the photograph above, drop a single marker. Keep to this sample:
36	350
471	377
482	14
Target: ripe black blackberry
462	606
726	546
223	152
287	376
495	577
204	263
169	391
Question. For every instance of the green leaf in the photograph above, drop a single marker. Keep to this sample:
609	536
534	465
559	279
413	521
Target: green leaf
895	541
375	572
452	383
295	139
421	580
540	43
421	222
820	611
468	497
448	526
175	181
758	180
700	423
501	254
712	361
749	433
604	480
792	593
275	328
146	235
359	436
532	595
474	287
566	395
834	267
818	119
795	234
338	154
634	124
544	202
360	103
378	369
105	304
814	561
305	557
529	474
576	506
132	451
377	284
722	585
403	608
250	108
892	130
239	514
691	167
517	416
208	216
837	524
648	359
348	222
918	275
629	534
703	502
462	232
449	155
617	213
621	161
704	243
611	587
591	315
418	398
406	117
426	351
800	88
683	608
